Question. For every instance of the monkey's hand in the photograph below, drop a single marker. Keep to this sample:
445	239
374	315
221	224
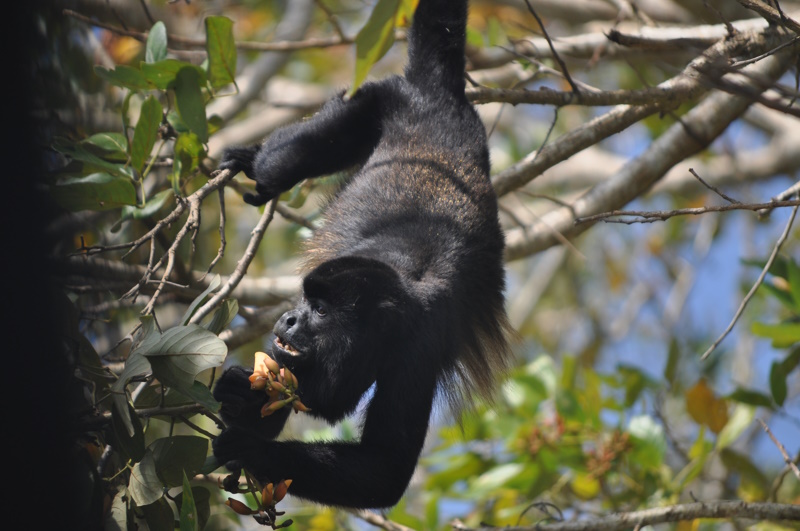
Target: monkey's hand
237	447
239	159
241	405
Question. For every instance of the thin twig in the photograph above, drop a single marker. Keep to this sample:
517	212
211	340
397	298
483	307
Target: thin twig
657	515
781	449
557	57
758	282
649	216
714	189
241	266
377	520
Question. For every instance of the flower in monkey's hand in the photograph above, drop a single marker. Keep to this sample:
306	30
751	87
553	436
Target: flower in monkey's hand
278	382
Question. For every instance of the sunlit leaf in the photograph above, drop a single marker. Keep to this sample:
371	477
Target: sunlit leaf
741	420
585	486
374	39
156	49
221	50
497	477
782	335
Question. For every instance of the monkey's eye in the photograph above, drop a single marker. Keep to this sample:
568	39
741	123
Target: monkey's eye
319	310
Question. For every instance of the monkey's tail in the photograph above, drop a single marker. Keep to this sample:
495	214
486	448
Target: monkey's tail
436	46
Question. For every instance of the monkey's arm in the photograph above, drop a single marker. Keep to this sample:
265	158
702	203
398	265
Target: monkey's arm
371	473
342	134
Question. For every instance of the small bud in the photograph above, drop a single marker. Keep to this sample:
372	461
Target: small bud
258	383
239	507
271	407
280	490
266	495
299	406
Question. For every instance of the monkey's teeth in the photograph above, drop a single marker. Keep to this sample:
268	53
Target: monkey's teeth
286	347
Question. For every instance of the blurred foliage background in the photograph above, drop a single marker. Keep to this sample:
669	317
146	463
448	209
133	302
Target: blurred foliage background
610	407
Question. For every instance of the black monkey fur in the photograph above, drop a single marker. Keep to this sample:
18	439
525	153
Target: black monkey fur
404	283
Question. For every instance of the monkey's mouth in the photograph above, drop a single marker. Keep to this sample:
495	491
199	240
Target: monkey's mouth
286	347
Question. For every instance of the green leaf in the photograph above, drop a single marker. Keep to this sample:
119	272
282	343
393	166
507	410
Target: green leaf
188	515
145	486
792	361
221	50
188	152
123	76
200	394
777	382
156	49
747	470
374	39
176	455
131	446
136	365
162	74
182	352
497	477
154	204
200	299
223	316
741	420
649	442
98	191
92	163
202	498
118	519
753	398
189	99
146	132
782	335
159	516
793	278
109	146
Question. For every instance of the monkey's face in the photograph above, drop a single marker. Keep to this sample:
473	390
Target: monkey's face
336	339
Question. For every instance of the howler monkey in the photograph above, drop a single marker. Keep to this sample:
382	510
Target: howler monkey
404	283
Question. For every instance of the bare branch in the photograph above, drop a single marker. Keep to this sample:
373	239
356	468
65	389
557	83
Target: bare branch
786	458
241	266
707	120
674	513
649	216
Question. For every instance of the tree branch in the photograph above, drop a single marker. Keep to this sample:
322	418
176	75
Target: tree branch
674	513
